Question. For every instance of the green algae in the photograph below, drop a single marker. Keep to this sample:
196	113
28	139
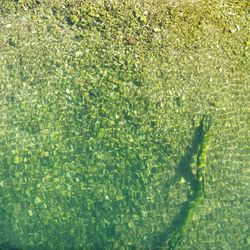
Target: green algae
97	102
203	140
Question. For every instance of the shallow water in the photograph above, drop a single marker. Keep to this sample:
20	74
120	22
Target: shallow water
93	130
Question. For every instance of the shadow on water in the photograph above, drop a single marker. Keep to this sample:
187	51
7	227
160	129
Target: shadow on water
184	170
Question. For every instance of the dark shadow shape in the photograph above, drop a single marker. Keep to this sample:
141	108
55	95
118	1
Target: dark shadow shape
184	170
8	246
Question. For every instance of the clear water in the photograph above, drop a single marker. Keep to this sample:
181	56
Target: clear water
93	130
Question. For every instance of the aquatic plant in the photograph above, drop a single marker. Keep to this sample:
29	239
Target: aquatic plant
204	136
